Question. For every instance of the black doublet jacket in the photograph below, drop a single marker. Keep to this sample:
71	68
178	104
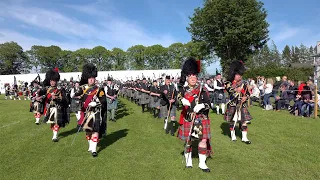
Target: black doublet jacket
166	97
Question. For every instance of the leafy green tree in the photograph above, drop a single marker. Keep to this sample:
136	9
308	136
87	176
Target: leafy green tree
49	57
118	57
136	57
33	57
81	57
233	29
102	58
176	53
12	59
156	57
286	56
67	65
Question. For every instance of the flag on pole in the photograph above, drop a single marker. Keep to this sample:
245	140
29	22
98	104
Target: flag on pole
14	80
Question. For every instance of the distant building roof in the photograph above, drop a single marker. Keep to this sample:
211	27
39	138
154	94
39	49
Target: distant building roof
317	55
301	65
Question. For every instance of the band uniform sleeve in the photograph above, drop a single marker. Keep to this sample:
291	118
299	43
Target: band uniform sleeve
229	88
102	96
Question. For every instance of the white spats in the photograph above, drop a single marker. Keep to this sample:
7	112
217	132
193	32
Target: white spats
244	136
90	145
217	108
233	135
78	115
94	146
55	135
37	120
188	157
202	161
223	108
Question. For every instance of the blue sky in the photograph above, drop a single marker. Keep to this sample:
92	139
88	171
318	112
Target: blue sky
74	24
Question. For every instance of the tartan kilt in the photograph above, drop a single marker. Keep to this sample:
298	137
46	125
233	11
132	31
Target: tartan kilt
144	98
113	105
96	125
185	129
63	115
154	101
37	107
164	111
231	110
135	95
130	93
75	105
218	100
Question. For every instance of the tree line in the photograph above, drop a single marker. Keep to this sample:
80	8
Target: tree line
221	30
14	60
294	62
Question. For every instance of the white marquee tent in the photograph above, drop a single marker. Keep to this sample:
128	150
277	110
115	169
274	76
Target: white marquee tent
120	75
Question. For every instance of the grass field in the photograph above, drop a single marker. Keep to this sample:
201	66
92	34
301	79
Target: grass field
136	147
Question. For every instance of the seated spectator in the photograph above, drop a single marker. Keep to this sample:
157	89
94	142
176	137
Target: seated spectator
255	95
307	102
300	88
282	101
297	105
284	81
268	93
276	87
292	91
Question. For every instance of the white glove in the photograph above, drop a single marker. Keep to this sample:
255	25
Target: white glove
198	107
92	104
185	102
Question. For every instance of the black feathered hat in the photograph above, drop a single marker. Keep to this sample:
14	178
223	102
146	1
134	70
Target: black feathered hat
26	84
109	79
52	74
236	67
190	66
88	71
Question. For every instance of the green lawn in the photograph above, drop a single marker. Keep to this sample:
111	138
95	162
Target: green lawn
136	147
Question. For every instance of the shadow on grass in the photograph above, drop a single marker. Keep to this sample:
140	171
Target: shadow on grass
226	129
68	133
121	111
112	138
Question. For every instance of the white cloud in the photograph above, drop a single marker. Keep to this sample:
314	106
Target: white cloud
50	20
26	42
110	31
184	18
282	32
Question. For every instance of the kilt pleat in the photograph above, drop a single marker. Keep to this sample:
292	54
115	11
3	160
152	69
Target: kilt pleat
231	110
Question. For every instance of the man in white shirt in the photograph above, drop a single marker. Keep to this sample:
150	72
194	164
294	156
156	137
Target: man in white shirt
219	96
210	89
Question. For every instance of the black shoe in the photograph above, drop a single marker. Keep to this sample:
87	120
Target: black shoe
55	140
172	134
94	154
247	142
188	167
37	123
205	170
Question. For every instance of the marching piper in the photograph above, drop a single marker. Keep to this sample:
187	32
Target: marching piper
168	108
237	110
37	101
56	112
93	107
194	119
75	100
154	99
111	91
219	96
